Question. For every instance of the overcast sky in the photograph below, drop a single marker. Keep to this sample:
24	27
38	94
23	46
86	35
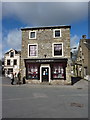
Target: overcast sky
30	14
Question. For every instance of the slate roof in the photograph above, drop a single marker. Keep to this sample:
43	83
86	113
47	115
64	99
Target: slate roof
46	27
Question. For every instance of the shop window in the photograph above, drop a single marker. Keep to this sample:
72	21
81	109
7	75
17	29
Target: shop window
32	50
12	54
57	71
8	62
15	62
32	71
58	49
32	35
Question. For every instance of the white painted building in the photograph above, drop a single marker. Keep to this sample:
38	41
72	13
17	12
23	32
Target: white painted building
12	62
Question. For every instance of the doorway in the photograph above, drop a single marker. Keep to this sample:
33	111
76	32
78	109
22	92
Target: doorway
45	71
45	74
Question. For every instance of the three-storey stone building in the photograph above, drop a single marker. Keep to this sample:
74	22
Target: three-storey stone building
45	54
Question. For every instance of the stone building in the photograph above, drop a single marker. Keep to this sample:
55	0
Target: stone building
83	58
45	54
12	62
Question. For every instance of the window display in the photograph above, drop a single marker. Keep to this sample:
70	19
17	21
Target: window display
58	71
32	71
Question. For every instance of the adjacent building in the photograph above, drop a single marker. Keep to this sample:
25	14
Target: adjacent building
83	58
12	62
45	54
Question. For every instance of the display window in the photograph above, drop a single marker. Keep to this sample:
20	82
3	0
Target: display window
32	71
57	71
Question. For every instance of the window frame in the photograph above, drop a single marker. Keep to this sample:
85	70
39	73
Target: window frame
30	34
36	51
54	33
53	49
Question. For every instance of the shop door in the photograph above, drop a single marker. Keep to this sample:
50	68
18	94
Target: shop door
45	74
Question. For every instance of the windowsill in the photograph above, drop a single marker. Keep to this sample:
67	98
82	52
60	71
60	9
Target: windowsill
58	56
57	37
32	38
32	56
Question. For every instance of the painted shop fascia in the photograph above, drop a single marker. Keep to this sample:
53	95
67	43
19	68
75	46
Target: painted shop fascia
45	54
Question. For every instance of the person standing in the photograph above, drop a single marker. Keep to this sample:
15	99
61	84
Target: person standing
12	78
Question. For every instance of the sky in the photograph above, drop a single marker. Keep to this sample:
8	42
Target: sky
17	15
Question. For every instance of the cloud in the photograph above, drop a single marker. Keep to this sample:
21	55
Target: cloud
12	40
46	13
74	42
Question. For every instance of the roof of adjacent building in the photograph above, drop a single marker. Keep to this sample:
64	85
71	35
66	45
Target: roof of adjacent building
16	52
46	27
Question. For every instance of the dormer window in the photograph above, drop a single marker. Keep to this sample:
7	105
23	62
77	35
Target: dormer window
32	35
12	54
57	33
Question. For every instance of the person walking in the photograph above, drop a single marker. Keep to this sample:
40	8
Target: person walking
15	78
19	78
12	78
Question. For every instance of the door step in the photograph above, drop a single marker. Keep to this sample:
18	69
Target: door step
45	83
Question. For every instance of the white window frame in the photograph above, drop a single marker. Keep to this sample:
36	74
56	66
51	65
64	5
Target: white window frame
53	49
36	51
30	34
54	33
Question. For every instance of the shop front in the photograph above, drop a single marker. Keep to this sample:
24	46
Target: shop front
45	70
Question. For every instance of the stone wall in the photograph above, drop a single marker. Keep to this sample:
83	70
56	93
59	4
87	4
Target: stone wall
83	58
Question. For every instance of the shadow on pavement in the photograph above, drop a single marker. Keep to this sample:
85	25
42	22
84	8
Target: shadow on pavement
75	80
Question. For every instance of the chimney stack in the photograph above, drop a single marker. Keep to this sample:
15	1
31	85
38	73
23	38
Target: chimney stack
83	36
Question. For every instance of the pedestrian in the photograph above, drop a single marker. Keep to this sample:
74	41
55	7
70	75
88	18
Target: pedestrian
12	78
19	78
15	78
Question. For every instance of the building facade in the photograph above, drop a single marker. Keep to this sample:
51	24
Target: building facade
45	54
12	62
83	58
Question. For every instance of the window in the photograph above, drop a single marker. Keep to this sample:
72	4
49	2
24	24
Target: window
57	33
32	50
58	49
32	71
32	35
57	71
8	62
12	54
15	62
